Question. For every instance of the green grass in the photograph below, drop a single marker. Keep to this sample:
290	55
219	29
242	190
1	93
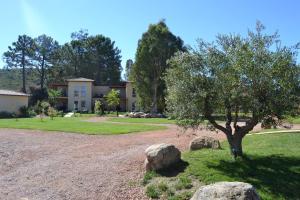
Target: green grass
149	176
152	191
183	182
143	120
272	165
294	120
76	125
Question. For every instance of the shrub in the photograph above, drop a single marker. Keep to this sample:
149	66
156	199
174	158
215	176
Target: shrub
24	111
52	112
37	95
60	113
99	108
4	114
152	192
31	112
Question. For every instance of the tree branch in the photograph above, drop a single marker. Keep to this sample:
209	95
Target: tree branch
211	119
228	115
236	115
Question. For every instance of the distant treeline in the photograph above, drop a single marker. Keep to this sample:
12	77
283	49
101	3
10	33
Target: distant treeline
42	60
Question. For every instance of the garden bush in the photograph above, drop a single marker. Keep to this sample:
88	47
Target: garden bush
4	114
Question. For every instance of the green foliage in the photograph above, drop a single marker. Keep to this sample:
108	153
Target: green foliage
152	191
37	94
99	108
52	112
6	115
95	57
234	75
44	57
186	195
183	182
11	79
20	55
128	67
24	111
162	186
148	176
53	96
113	99
155	47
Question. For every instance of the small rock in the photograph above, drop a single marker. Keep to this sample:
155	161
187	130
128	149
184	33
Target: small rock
226	191
204	142
161	156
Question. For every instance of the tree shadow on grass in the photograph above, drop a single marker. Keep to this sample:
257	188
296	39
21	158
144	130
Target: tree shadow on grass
276	174
174	170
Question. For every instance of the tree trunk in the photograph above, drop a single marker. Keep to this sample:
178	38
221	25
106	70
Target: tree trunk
235	143
23	72
42	74
154	99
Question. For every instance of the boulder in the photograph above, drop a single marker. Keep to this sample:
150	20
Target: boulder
204	142
161	156
226	191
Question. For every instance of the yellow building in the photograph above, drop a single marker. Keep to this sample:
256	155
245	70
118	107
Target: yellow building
11	101
80	94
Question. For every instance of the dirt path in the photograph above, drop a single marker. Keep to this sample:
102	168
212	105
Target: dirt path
52	165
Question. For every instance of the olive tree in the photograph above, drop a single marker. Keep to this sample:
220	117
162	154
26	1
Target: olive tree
234	75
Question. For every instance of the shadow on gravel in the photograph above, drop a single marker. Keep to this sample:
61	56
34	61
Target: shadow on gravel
174	170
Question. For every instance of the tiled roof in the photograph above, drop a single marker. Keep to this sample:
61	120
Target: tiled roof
12	93
80	80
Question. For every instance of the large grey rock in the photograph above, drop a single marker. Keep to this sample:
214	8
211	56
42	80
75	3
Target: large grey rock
204	142
226	191
161	156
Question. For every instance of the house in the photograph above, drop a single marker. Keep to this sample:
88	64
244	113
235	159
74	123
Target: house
81	93
11	101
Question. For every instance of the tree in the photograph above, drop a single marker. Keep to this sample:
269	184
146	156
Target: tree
45	50
128	68
20	55
234	75
113	99
104	60
94	57
155	47
53	96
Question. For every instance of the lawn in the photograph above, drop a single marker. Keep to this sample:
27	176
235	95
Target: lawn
76	125
143	120
294	120
272	165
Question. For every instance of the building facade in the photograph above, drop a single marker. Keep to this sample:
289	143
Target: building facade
80	94
11	101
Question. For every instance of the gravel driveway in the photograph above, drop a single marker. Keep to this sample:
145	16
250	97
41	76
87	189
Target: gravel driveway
52	165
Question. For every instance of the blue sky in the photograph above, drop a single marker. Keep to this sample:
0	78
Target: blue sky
125	21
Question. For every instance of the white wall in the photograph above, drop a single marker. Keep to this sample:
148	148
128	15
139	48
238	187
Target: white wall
87	98
12	104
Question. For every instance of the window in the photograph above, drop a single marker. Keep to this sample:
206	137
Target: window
82	104
133	106
133	92
83	91
75	105
76	91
